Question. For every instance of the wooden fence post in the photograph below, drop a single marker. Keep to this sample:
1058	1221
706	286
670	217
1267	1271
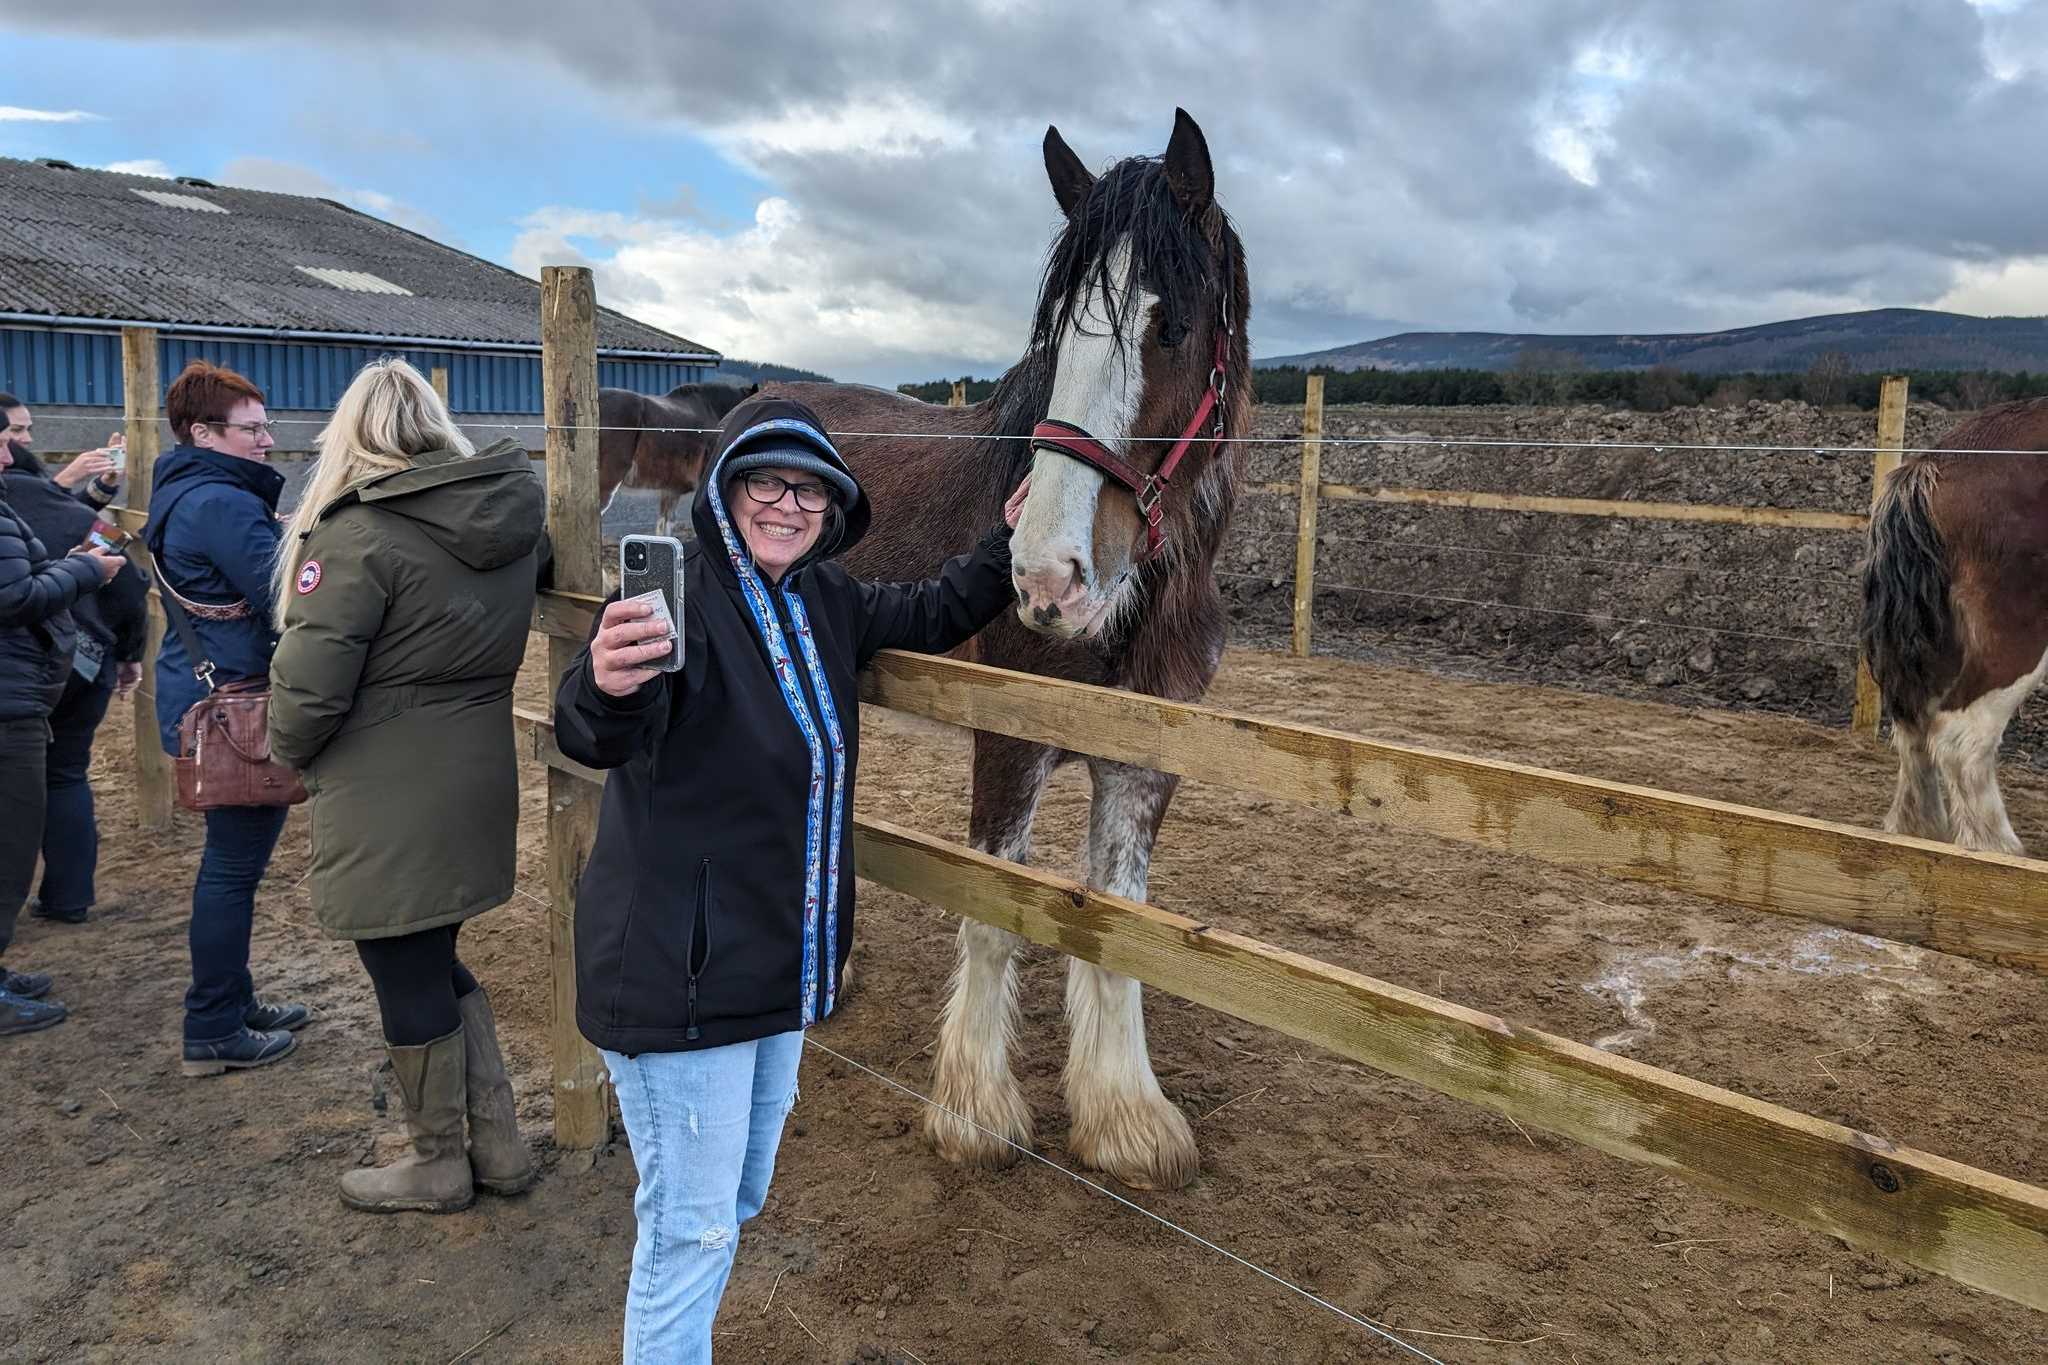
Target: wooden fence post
568	342
959	395
1891	439
1310	487
438	377
153	782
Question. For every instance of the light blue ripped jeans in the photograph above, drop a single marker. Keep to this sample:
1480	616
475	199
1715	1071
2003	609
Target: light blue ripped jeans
704	1127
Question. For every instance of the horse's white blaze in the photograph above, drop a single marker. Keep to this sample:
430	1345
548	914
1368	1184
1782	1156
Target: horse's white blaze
1122	1122
1097	386
1965	747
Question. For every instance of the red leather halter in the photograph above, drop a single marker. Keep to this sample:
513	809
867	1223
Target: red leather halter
1068	439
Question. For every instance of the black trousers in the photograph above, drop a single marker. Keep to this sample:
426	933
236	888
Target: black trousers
418	979
24	746
71	837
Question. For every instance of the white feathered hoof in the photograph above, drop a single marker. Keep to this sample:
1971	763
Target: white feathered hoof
999	1117
1144	1141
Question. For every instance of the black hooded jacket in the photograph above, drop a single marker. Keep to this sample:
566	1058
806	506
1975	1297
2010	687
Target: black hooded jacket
37	633
117	616
717	904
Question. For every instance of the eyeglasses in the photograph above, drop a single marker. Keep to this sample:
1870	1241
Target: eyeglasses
768	488
254	429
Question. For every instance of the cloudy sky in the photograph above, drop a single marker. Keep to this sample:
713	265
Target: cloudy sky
857	188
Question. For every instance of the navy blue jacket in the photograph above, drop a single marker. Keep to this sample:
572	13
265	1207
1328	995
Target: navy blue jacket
36	631
213	530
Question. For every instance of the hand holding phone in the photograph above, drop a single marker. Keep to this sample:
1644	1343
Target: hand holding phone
651	571
629	639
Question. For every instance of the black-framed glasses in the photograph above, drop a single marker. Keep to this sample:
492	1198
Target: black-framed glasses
254	429
767	488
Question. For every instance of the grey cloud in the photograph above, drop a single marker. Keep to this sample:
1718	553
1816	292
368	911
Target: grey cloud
1382	161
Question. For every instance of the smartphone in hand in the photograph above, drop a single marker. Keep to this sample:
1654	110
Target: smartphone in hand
651	568
106	536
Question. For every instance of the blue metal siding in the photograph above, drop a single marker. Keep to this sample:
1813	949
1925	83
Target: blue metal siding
41	365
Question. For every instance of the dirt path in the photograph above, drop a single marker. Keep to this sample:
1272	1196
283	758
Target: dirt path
150	1217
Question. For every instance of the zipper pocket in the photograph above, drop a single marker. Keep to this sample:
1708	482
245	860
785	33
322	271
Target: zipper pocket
700	926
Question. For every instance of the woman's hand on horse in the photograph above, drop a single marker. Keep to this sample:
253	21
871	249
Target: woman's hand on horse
624	642
1014	508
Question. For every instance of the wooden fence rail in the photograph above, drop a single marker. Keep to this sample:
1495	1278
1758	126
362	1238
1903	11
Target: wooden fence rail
1992	907
1974	1226
1988	906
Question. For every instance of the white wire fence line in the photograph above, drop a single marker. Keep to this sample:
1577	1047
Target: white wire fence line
1378	1329
1444	442
1606	619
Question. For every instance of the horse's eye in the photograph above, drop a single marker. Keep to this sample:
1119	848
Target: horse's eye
1172	332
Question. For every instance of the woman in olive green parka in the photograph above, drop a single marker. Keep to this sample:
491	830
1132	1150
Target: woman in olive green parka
405	589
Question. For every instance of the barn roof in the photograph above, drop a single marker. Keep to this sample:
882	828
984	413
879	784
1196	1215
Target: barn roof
88	244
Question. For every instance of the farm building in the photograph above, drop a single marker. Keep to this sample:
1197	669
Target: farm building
295	292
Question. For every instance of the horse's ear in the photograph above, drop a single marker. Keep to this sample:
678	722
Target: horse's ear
1188	169
1070	179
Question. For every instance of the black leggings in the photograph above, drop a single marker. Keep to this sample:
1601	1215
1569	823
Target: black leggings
418	980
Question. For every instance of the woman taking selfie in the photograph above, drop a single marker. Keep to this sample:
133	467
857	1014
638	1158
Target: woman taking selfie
717	905
405	593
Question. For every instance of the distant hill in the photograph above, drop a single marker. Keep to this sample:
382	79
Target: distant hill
732	371
1878	339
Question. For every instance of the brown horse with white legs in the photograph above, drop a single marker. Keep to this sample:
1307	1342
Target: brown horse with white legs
1118	412
1955	617
660	441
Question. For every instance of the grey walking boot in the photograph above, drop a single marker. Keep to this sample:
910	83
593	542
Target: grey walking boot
434	1176
497	1154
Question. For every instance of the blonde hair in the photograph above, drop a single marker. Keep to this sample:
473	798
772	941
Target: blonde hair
388	417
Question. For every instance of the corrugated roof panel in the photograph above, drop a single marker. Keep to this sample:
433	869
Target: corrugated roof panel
85	243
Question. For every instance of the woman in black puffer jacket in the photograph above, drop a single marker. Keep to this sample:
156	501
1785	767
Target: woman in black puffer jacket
37	637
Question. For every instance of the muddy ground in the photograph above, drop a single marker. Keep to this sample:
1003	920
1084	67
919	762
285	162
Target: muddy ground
149	1217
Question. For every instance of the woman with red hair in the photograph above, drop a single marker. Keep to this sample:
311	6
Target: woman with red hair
213	530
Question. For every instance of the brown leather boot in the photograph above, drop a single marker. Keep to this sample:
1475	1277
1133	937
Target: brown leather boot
434	1176
498	1157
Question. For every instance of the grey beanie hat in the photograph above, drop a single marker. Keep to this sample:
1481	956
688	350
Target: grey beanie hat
792	456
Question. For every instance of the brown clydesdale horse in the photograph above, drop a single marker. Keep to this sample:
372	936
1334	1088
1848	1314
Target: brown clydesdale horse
1955	617
661	441
1144	290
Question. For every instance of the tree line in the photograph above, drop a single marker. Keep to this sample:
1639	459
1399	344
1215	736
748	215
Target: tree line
1541	377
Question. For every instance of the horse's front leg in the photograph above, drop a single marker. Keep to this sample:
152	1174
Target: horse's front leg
979	1109
1122	1122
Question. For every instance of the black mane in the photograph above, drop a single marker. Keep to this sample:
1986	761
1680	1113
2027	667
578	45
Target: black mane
1169	255
1169	258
